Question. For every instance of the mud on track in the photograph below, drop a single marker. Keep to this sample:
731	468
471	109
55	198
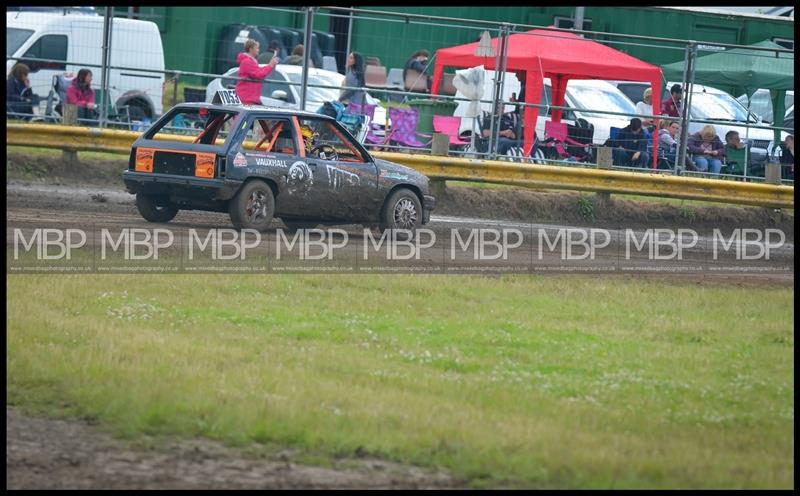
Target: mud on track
518	204
56	454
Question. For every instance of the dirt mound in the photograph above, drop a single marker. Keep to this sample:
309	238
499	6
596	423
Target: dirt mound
588	210
57	454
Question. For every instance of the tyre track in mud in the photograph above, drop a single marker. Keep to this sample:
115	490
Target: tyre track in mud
41	205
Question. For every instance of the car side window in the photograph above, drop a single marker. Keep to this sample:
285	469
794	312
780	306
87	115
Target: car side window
270	135
50	46
229	82
547	99
322	139
274	82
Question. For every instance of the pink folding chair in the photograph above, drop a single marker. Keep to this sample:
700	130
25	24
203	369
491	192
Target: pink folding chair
404	128
449	125
368	110
556	135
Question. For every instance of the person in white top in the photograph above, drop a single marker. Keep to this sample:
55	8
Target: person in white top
646	107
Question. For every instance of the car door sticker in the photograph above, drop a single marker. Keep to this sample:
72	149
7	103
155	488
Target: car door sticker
394	175
271	162
239	160
338	178
299	179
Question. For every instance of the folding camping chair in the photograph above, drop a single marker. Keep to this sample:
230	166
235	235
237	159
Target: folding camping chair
368	111
557	140
580	138
404	128
449	125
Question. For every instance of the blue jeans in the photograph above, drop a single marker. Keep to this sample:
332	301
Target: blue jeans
625	158
705	164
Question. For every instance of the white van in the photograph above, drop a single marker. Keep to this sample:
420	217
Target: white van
581	94
76	41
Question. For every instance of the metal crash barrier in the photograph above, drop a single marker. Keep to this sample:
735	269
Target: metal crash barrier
449	168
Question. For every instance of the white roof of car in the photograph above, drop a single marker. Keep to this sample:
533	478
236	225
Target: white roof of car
298	69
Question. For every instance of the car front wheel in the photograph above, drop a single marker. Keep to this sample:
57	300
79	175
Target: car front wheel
253	206
402	210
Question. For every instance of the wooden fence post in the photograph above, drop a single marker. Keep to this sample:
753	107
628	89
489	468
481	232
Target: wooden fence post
604	161
439	146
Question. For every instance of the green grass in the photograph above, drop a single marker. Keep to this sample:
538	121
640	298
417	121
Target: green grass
515	381
50	152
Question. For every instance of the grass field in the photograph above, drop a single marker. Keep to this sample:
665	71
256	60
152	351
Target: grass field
511	381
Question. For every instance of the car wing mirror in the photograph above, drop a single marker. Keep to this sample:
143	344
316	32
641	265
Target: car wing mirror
279	95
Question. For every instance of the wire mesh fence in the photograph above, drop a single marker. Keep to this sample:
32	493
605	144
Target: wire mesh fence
142	79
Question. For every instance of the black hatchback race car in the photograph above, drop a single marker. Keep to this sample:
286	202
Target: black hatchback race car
257	163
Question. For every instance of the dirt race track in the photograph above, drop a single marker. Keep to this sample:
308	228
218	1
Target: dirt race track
56	454
44	453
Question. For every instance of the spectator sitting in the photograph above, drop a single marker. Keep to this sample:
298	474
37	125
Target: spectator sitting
507	135
19	95
249	92
354	78
81	94
667	137
672	105
296	58
707	150
632	145
414	75
646	107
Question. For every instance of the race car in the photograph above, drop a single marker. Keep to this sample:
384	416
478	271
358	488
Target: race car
257	163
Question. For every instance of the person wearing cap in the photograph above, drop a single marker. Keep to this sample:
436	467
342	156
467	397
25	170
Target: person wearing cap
645	108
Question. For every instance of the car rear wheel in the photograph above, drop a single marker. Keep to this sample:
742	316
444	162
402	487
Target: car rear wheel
402	210
155	208
253	206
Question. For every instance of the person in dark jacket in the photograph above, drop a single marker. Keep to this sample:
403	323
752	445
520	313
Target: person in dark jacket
707	149
19	96
354	78
415	77
631	145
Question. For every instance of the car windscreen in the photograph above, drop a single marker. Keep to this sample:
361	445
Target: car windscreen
717	106
195	125
319	94
15	37
594	98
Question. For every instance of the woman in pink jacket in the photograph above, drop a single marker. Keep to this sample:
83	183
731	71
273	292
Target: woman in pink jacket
250	91
81	94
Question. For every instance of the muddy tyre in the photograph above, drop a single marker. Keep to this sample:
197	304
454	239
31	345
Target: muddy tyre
401	210
253	206
155	208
